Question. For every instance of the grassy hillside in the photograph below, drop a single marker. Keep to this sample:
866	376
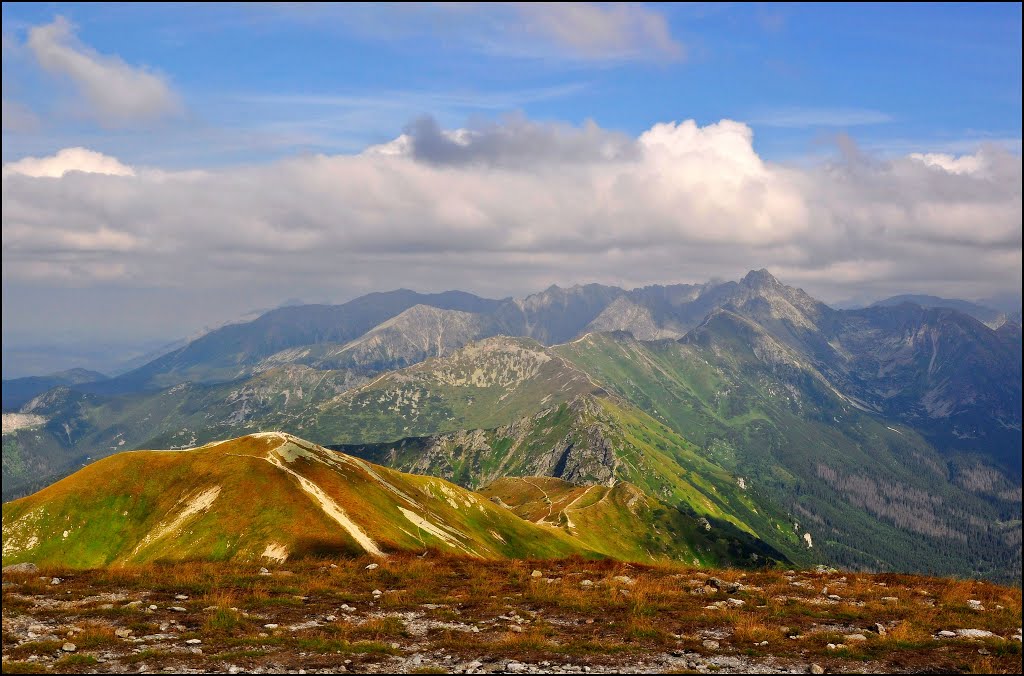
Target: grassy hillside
607	519
262	497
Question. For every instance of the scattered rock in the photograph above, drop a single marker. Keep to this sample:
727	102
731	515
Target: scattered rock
55	580
178	609
835	597
122	632
194	641
372	566
975	633
264	571
945	633
624	579
879	629
69	647
271	626
21	568
710	645
817	669
181	597
975	604
890	599
735	603
516	628
586	583
715	582
855	638
535	573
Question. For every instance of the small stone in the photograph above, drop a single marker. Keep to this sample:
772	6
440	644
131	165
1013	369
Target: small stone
624	579
152	607
271	626
331	618
69	647
735	603
395	646
945	633
372	566
855	638
122	632
133	604
890	599
586	583
178	609
880	629
835	597
831	646
181	597
535	573
21	568
710	645
715	582
975	604
817	669
264	571
516	628
194	641
55	580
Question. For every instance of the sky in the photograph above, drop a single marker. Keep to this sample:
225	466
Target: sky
170	167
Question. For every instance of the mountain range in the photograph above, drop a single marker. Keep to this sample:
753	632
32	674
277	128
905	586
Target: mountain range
885	437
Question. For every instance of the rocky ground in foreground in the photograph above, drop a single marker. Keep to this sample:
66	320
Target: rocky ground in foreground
436	614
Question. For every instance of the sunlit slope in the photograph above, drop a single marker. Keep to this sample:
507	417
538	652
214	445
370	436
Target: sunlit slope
624	522
261	497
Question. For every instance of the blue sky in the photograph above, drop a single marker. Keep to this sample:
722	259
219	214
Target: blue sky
170	167
264	81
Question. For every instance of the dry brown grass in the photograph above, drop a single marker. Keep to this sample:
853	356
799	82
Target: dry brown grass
599	624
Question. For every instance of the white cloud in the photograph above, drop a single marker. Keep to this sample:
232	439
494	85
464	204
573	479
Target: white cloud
686	203
115	93
601	31
68	159
964	164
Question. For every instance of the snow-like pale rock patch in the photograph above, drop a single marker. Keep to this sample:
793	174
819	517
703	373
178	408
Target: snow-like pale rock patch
18	421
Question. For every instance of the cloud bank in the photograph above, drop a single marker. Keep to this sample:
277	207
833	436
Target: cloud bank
510	208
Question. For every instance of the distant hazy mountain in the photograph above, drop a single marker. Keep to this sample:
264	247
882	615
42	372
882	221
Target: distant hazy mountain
18	391
989	316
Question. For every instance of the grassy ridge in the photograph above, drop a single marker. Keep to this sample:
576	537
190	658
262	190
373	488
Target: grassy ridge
243	499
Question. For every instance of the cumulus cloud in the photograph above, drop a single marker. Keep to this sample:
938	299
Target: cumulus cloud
115	93
680	202
965	164
68	159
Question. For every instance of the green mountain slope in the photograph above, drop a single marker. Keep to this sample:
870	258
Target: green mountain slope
268	496
868	494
